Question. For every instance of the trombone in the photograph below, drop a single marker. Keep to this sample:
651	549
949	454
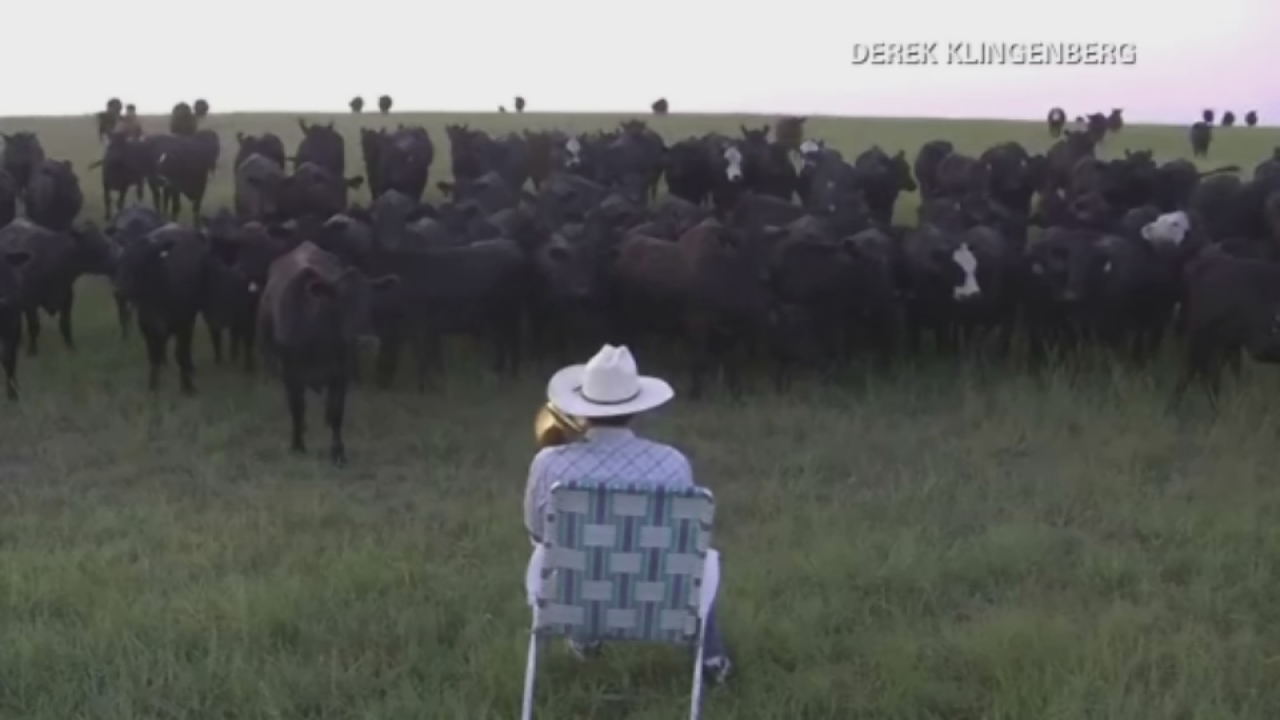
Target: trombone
551	426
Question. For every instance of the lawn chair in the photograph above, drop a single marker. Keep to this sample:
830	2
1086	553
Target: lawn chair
623	563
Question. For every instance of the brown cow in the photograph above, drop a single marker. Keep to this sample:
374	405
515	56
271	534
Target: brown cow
313	311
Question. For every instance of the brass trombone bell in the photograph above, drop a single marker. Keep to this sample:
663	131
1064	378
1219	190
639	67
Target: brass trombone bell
551	426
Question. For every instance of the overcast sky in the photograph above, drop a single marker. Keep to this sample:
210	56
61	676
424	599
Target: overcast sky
575	55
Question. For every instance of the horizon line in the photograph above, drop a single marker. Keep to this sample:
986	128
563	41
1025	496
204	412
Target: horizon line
623	113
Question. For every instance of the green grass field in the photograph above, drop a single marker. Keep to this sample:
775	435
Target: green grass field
924	545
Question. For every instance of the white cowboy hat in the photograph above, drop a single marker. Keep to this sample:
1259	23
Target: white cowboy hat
607	385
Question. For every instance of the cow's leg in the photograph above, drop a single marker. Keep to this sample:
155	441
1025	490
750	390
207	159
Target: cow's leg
32	316
65	304
9	334
236	331
215	340
123	314
335	408
106	197
182	351
249	337
156	340
295	394
389	343
137	190
157	197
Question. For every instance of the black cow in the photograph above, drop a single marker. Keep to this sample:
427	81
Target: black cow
244	253
268	145
8	198
399	161
259	184
312	312
1232	305
1201	136
881	178
926	166
184	167
125	163
163	275
182	120
478	288
22	154
1060	280
323	146
135	221
57	259
1115	121
315	190
687	171
1057	119
1251	118
767	165
53	196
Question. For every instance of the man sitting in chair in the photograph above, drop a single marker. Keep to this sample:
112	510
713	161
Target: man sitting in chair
605	394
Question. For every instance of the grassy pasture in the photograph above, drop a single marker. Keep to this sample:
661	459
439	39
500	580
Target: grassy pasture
925	545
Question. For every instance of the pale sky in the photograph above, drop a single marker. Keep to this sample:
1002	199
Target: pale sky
576	55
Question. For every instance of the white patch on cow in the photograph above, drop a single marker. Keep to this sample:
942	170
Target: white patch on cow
253	288
1107	268
808	147
1037	268
574	148
969	264
733	156
162	157
164	254
1168	229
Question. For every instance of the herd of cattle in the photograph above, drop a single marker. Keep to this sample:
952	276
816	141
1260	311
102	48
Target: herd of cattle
1099	124
765	243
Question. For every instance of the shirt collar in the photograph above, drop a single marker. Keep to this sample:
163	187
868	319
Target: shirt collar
609	434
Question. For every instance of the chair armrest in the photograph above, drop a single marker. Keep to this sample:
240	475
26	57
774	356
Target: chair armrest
710	582
533	574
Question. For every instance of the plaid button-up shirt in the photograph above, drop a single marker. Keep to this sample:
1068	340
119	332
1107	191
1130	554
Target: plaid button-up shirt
606	455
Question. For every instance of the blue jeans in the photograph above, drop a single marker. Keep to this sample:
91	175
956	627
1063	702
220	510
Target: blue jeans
712	643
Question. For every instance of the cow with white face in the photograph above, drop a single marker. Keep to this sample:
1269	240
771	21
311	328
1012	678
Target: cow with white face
732	164
968	287
728	171
958	279
573	152
809	152
1168	229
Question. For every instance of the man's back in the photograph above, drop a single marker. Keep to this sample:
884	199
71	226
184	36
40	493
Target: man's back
606	455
